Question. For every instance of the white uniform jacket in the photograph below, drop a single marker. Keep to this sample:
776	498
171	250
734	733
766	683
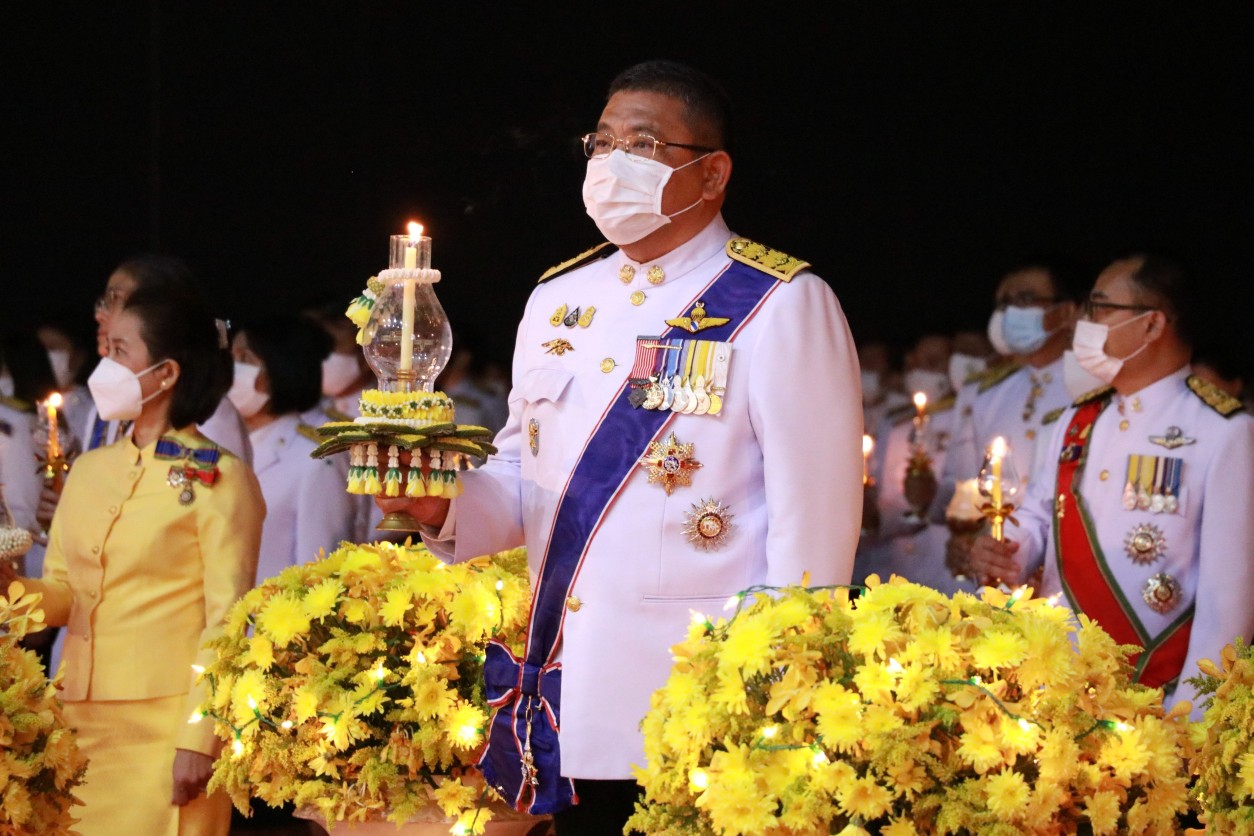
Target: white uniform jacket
307	508
1207	546
784	456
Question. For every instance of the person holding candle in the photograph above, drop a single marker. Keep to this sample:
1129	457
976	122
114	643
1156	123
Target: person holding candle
278	363
155	538
626	558
1146	520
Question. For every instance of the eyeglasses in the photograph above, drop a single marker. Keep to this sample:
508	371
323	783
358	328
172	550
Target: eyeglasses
637	145
111	299
1092	306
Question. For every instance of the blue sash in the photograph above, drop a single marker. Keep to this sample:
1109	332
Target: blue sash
522	760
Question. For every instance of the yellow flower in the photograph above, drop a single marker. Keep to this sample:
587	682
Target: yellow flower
359	559
1246	772
872	633
875	682
1007	794
998	649
734	799
1124	755
839	720
319	602
283	619
395	606
865	797
980	746
466	725
899	827
748	645
260	652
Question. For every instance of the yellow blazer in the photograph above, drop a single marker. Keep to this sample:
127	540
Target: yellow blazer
142	580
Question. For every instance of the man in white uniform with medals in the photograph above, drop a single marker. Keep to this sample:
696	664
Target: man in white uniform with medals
685	422
1147	525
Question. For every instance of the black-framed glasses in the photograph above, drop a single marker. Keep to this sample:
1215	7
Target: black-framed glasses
1092	306
111	299
636	145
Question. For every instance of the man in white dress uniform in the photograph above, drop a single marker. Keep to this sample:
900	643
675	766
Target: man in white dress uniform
629	531
1147	524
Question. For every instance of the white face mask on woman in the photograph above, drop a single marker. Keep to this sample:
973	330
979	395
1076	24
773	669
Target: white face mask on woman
244	393
116	390
623	195
1089	345
339	371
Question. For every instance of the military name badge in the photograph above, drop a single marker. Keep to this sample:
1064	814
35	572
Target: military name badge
1162	593
669	462
707	524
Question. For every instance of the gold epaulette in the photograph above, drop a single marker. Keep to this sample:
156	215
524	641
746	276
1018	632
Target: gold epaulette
17	404
1214	397
770	261
1052	416
309	432
586	257
1095	395
996	375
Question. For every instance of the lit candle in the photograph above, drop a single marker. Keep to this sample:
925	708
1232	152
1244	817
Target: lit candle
996	453
868	447
920	404
407	300
54	441
411	250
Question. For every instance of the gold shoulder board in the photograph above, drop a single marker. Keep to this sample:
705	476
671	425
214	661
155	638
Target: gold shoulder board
1095	395
770	261
586	257
1214	397
309	432
17	404
1052	416
998	374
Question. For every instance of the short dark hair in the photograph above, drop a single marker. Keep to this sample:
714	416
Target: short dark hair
1165	283
23	355
176	325
1069	280
707	107
292	349
159	272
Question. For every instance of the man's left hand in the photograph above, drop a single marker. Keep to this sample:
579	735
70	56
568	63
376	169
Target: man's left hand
192	772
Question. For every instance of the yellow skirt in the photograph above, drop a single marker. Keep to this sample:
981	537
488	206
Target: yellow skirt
130	779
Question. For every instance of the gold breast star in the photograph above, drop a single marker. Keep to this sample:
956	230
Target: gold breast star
697	320
670	463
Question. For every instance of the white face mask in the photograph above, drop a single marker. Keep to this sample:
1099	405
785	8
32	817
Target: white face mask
6	384
339	371
116	390
1024	329
623	195
997	333
244	393
871	386
1075	378
933	384
1089	344
962	367
59	359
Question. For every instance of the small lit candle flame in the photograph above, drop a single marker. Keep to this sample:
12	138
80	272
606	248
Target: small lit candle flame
920	402
415	231
54	400
868	446
998	450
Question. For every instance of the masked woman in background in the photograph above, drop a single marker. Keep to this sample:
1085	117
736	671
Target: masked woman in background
156	535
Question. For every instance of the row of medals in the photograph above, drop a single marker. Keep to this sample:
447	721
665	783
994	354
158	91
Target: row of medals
678	395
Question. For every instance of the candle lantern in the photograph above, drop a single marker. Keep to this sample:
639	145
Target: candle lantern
999	484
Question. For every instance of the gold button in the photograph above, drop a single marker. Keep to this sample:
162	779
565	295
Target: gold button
91	594
1123	425
1104	475
637	298
133	474
113	509
573	604
1030	434
95	550
626	273
608	364
656	275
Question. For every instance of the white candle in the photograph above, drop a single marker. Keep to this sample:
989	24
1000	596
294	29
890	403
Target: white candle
868	447
411	251
920	404
407	300
54	442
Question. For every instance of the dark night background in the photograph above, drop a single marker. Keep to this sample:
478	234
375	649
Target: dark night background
909	150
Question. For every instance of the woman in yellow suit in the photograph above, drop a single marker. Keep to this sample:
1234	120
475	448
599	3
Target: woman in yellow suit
154	539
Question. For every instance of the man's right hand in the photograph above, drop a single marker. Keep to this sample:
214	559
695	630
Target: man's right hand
992	561
428	510
49	497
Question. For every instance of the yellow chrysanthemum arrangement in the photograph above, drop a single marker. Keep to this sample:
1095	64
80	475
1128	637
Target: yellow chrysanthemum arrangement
1224	762
40	763
906	711
353	684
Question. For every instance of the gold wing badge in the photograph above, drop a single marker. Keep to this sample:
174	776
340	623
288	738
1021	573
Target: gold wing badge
696	320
